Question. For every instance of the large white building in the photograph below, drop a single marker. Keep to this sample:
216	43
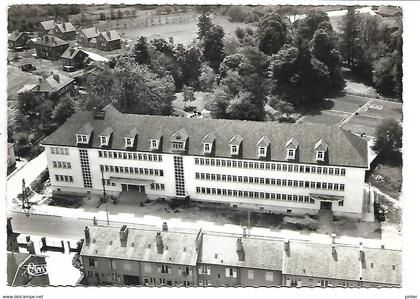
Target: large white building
283	168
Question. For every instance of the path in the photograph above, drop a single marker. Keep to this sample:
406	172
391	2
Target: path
347	119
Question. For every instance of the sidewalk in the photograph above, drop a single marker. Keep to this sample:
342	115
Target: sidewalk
155	214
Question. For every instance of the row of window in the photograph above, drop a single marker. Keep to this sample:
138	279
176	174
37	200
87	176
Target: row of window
55	150
269	181
254	194
130	156
271	166
64	178
131	170
156	186
60	164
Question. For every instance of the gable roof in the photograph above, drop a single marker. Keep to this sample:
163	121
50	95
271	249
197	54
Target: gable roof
259	253
236	140
344	148
108	131
180	135
15	36
51	41
71	53
263	142
65	27
321	145
54	82
390	11
382	261
48	25
209	138
90	32
178	247
110	35
16	267
292	143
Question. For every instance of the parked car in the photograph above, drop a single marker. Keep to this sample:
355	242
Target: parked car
69	68
28	67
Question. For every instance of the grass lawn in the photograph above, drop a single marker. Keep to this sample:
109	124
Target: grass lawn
386	109
347	103
16	79
361	124
199	103
392	182
324	117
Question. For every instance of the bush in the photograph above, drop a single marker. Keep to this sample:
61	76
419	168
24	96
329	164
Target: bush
38	184
190	109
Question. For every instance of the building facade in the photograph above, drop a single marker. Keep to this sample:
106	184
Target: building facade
65	31
108	40
18	40
50	47
263	166
87	37
196	258
75	57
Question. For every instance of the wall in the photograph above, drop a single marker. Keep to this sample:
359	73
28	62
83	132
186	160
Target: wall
259	278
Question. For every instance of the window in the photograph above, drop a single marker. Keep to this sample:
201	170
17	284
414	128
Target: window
320	155
92	262
177	145
231	272
250	274
207	147
153	144
290	154
268	276
112	264
262	151
82	138
234	149
128	142
104	140
341	203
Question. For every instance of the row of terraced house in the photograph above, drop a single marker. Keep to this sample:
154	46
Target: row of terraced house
126	256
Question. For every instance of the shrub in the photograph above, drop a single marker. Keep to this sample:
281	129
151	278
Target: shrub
38	184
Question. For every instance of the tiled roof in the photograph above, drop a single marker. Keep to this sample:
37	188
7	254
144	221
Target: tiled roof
51	41
178	248
14	36
110	35
317	260
85	129
344	148
90	32
66	27
71	53
263	142
106	132
48	25
259	253
321	145
209	138
54	82
379	266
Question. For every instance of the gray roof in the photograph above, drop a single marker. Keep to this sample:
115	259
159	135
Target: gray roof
54	82
259	253
110	35
85	129
15	36
344	148
317	260
65	27
90	32
48	25
383	262
51	41
71	53
137	247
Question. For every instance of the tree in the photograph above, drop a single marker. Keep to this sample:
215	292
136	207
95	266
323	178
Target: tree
213	49
218	103
207	78
141	51
27	105
388	140
188	95
204	25
245	107
237	13
272	33
325	50
350	34
299	78
307	27
63	110
189	62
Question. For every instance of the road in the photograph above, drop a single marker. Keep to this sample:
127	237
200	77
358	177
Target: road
29	172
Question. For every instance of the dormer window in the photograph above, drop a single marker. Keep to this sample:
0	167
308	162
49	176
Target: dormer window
104	140
129	142
320	155
234	149
154	144
235	144
105	136
207	148
82	138
291	153
262	147
208	142
179	140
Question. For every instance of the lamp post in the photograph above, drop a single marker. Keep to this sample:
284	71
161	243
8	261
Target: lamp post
105	199
26	205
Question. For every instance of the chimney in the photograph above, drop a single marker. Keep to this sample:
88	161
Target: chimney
56	77
123	235
64	26
71	51
109	34
199	240
361	252
165	226
334	252
87	235
31	247
333	236
239	245
287	246
382	246
159	243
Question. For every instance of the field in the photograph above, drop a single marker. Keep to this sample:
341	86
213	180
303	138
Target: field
16	79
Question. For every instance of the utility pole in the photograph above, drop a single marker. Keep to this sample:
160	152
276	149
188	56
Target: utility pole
105	199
